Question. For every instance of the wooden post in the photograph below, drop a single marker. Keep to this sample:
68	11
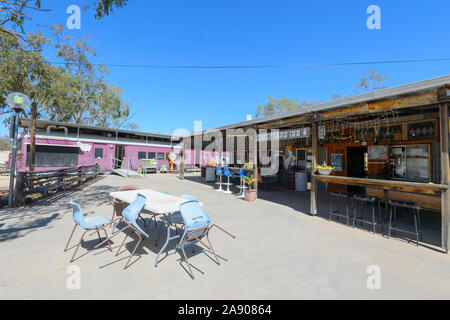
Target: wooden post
80	175
33	136
182	155
315	157
255	161
19	189
445	174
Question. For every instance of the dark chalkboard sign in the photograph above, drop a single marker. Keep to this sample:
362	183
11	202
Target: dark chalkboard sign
54	156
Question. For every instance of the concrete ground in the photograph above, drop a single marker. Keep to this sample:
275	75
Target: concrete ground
280	253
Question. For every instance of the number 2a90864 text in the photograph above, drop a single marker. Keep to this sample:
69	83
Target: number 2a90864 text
246	309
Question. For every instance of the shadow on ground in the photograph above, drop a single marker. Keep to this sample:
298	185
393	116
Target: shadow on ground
300	201
19	222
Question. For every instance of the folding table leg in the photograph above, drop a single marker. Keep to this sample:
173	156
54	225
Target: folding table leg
166	243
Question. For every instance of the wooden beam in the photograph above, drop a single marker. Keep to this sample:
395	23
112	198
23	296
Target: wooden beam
255	159
286	122
182	155
315	159
445	174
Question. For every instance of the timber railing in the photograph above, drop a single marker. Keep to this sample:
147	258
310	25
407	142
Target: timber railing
43	182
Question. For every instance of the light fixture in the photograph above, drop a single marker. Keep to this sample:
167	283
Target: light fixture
18	102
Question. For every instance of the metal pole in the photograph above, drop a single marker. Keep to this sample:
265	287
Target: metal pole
14	122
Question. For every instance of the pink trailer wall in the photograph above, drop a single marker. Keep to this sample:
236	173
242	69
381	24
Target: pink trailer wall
131	152
88	157
109	151
190	156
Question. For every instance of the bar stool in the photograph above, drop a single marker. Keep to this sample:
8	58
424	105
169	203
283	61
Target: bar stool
219	173
242	186
394	204
227	173
362	198
339	196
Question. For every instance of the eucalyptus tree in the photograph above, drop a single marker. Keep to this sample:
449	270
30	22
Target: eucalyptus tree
282	105
76	90
14	13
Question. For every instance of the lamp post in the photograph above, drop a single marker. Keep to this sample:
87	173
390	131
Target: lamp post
18	102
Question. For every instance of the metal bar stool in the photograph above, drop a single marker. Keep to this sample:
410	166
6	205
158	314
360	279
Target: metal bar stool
362	198
242	186
219	173
394	204
338	196
226	173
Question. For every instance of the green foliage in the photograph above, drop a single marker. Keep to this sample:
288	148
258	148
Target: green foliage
105	7
76	93
14	13
283	105
5	143
249	181
372	81
369	83
324	166
90	99
22	67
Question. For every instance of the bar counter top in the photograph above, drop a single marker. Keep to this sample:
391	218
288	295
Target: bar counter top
406	186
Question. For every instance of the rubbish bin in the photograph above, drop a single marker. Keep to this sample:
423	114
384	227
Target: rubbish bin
301	181
210	174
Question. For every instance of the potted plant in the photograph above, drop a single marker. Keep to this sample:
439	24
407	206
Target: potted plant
250	193
324	169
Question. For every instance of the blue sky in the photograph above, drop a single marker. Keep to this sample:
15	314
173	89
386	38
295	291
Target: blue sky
247	32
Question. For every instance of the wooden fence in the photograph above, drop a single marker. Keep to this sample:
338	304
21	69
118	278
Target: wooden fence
43	182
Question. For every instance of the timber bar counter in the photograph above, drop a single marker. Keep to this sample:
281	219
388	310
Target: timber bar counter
425	193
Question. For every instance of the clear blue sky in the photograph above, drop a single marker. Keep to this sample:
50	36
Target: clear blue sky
247	32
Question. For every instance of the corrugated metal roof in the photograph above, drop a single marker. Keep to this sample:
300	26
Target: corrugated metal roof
24	122
404	90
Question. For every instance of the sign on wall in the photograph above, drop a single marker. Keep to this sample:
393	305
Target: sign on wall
377	152
298	133
337	162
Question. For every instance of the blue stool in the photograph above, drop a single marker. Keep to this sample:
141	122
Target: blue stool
219	173
242	186
227	173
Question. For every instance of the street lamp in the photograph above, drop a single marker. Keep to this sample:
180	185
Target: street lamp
18	102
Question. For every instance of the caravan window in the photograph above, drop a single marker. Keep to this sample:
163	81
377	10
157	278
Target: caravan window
141	155
99	153
151	155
